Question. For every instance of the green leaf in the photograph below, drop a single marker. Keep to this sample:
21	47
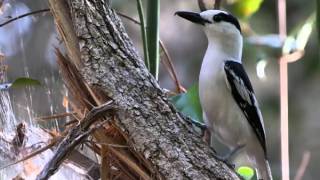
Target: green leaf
153	16
247	173
299	37
318	21
246	8
318	25
24	81
189	104
305	32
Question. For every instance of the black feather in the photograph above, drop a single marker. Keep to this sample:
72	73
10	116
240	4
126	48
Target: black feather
227	18
235	73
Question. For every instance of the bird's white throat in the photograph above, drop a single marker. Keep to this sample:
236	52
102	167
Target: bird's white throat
223	47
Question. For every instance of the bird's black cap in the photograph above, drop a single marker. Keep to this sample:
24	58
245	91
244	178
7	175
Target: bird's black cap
227	18
219	17
193	17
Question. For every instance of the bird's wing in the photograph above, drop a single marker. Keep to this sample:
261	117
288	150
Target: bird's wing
242	92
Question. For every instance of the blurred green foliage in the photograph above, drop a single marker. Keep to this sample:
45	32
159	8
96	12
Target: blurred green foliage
247	173
24	81
318	19
189	104
299	37
143	28
245	8
153	16
19	83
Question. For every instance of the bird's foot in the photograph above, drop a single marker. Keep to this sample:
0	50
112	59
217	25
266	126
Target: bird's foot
234	151
207	136
227	158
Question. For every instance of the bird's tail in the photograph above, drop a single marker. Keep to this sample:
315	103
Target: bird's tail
268	170
264	171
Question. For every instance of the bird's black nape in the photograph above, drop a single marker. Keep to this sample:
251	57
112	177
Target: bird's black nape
227	18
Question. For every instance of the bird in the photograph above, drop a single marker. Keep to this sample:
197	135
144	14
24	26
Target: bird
230	109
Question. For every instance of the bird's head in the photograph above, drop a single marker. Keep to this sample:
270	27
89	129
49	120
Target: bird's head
216	23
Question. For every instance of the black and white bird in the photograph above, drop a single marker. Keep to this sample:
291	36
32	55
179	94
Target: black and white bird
230	108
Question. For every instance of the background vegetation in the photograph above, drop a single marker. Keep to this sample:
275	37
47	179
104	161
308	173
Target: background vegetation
28	46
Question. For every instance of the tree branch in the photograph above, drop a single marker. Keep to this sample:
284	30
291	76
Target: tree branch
202	5
167	61
24	15
217	4
74	138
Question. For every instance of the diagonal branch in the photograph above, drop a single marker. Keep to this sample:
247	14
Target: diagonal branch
202	5
171	69
74	138
206	4
33	154
24	15
217	4
167	61
55	116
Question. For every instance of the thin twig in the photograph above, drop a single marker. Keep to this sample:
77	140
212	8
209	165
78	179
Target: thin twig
128	17
303	165
205	5
282	15
284	95
293	57
71	122
75	136
217	4
284	60
168	60
24	15
202	5
62	153
4	140
55	116
107	144
33	154
172	70
284	119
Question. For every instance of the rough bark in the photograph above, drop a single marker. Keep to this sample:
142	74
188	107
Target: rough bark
153	126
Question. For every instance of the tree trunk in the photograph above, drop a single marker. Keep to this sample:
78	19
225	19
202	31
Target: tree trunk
155	130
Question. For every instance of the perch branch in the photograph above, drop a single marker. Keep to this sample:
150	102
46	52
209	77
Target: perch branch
167	61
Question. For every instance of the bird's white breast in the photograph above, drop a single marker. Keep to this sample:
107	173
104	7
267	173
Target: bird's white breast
223	116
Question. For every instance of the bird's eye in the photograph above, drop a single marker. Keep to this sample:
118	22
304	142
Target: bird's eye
217	18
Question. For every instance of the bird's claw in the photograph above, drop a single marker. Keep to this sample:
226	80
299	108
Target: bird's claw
227	158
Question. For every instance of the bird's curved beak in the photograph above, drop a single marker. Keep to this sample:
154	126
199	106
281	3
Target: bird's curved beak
193	17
